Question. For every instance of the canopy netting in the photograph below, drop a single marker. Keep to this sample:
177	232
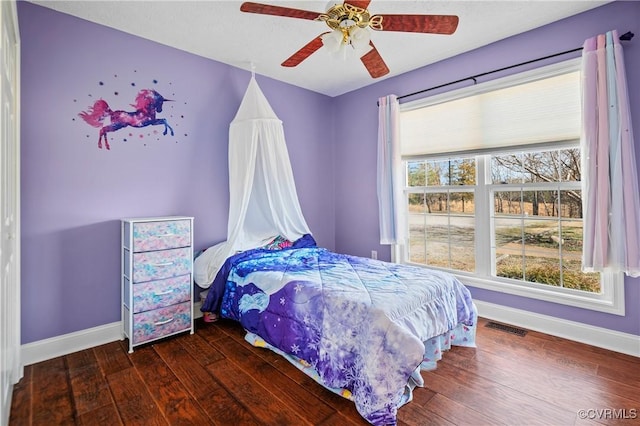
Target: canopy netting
263	201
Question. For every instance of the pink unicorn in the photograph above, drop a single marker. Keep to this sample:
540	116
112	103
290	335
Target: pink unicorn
147	103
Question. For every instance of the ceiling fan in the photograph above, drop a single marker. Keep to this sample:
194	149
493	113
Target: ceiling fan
349	23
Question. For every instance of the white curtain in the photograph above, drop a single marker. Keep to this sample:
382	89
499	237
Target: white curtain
263	202
389	178
610	179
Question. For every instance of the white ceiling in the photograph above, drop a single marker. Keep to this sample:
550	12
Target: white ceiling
218	30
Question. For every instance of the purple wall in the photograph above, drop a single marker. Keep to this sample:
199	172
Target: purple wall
73	194
355	156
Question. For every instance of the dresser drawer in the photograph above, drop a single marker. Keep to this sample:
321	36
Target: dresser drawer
157	294
155	265
161	322
148	236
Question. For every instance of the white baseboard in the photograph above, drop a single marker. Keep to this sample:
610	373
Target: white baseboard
595	336
43	350
53	347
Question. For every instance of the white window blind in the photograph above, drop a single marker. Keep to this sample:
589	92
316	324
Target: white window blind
540	111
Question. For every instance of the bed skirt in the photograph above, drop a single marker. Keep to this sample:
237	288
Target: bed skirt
463	335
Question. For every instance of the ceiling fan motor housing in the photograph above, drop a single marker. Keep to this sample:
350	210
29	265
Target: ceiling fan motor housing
344	16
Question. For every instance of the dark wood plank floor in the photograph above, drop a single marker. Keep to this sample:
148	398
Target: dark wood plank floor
215	378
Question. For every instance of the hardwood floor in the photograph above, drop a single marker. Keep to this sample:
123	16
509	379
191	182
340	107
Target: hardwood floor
215	378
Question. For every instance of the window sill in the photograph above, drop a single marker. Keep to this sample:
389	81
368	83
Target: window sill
611	302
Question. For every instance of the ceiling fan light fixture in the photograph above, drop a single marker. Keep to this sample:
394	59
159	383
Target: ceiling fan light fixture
333	40
359	38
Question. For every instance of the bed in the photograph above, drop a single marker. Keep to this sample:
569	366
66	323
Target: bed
360	327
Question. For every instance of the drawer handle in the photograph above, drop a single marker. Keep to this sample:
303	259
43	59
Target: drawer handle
168	234
162	264
162	293
164	322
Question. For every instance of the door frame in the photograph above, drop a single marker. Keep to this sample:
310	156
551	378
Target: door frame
10	349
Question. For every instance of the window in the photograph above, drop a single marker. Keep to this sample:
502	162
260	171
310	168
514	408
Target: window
493	188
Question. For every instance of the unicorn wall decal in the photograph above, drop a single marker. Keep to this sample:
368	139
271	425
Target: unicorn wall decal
147	103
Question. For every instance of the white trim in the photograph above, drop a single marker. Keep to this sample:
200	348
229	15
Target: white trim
595	336
53	347
18	364
11	370
612	302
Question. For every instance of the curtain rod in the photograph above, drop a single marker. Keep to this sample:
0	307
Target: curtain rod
625	37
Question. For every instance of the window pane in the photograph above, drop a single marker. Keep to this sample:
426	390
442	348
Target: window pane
462	203
569	165
437	173
417	203
540	203
574	278
463	257
506	169
540	166
508	237
437	202
463	240
462	171
437	228
510	266
417	209
542	270
507	203
542	252
416	173
437	253
571	202
417	241
571	251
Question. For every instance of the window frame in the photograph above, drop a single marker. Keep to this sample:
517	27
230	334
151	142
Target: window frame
610	299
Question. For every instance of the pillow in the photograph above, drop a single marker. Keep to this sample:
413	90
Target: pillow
278	243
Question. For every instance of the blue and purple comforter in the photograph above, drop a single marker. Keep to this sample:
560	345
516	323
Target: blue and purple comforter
362	325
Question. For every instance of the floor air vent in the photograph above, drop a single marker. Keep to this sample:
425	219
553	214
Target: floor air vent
507	328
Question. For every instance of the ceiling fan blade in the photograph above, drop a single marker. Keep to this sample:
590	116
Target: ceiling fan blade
361	4
267	9
374	63
304	52
434	24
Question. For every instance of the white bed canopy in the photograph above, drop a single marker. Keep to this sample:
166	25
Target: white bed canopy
263	201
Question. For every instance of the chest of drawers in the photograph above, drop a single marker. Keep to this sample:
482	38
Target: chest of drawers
157	278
